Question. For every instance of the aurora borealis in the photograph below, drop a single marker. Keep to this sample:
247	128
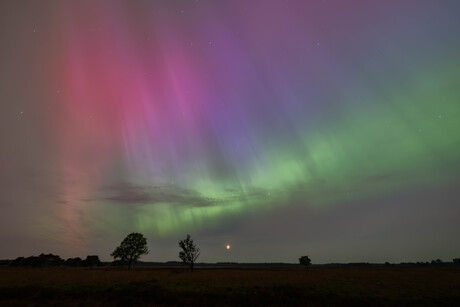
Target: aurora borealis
283	128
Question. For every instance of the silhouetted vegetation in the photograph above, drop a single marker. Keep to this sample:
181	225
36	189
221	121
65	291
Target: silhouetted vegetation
131	248
92	261
189	253
5	262
419	263
43	260
305	260
50	260
437	262
74	262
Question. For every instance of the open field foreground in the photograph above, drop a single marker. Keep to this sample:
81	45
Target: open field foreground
230	286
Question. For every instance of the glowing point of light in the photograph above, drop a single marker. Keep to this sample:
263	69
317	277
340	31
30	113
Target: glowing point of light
228	246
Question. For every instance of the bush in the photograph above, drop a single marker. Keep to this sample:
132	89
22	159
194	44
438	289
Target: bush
305	260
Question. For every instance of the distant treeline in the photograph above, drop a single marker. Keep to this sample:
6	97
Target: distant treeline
50	260
437	262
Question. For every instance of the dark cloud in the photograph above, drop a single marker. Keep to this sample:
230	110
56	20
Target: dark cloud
127	193
132	194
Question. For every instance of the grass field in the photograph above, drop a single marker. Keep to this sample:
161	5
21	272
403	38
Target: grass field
317	286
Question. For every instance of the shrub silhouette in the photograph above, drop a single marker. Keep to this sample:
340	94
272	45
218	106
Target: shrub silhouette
92	261
49	260
18	261
437	262
305	260
74	262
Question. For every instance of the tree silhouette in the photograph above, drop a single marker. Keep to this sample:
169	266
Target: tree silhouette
305	260
92	261
189	252
131	248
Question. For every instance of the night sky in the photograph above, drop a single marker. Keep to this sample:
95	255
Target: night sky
282	128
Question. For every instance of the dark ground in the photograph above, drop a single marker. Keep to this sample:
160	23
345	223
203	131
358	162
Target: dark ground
317	286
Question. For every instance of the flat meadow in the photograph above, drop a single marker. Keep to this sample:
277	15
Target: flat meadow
261	286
